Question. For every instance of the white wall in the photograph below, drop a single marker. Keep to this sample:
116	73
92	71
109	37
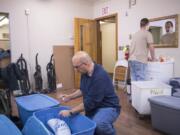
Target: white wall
108	32
130	24
50	23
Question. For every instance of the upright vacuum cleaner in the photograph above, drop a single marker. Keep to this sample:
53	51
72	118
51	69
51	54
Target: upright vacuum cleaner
24	83
51	75
38	76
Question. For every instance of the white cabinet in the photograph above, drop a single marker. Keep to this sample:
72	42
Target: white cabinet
161	71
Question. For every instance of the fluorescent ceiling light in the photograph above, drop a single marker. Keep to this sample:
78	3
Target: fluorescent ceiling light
102	22
5	21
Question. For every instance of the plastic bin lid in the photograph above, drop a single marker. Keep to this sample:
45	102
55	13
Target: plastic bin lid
176	94
150	84
36	101
166	101
160	63
175	79
7	127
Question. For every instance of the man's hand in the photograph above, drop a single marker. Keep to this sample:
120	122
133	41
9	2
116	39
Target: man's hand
152	60
65	113
64	98
77	109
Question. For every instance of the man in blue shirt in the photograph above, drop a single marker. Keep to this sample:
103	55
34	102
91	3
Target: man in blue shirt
100	101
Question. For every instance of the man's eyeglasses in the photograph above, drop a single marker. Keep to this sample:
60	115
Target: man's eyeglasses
78	65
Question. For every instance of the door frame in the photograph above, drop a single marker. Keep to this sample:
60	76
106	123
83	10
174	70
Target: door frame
90	38
99	52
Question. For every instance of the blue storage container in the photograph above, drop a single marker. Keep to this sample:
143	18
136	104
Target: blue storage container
165	114
7	127
176	94
175	83
37	124
32	103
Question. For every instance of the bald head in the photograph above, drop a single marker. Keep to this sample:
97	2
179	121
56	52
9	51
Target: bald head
82	57
82	62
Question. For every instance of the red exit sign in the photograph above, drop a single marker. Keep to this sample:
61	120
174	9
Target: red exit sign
105	10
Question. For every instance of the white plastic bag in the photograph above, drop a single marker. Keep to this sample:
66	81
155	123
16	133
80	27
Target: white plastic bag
59	127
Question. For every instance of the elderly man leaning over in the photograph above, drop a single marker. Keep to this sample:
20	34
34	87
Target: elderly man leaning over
100	102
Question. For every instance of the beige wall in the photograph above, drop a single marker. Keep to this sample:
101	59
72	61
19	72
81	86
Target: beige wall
108	46
49	23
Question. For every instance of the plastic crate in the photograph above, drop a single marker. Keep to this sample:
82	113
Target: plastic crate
32	103
37	124
7	127
165	114
142	90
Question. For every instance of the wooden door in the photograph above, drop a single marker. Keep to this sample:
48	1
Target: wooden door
63	66
85	40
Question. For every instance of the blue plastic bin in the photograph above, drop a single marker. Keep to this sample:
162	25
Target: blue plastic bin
7	127
32	103
37	124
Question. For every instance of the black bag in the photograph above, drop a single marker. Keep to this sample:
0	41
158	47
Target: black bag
51	75
38	76
5	102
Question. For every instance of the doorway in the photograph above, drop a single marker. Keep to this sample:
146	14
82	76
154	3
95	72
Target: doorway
5	49
98	37
107	46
